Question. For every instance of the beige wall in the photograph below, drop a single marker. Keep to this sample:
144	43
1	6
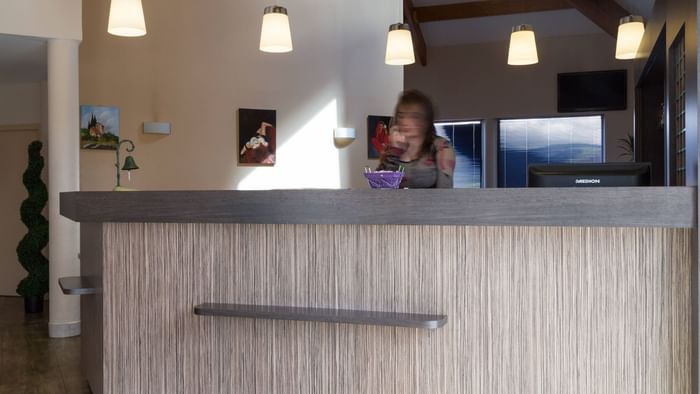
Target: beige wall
200	63
482	86
19	105
41	18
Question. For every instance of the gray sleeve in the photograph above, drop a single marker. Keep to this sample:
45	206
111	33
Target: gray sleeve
444	181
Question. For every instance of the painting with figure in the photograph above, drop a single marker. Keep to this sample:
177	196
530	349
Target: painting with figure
257	135
377	135
99	127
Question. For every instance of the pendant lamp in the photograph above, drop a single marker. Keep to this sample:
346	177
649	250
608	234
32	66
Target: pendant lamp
399	45
126	18
629	36
523	49
276	36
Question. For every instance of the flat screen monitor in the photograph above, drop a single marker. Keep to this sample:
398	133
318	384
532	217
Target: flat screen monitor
589	175
592	91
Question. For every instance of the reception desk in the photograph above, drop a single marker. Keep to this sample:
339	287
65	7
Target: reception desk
387	291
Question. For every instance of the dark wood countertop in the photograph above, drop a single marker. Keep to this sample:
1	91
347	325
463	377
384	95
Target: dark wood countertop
588	207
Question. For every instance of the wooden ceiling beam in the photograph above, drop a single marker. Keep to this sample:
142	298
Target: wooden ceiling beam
419	47
604	13
477	9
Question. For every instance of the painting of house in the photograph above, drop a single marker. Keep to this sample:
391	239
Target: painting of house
99	127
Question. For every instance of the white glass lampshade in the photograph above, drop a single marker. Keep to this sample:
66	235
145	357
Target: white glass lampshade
399	46
523	49
276	36
126	18
629	36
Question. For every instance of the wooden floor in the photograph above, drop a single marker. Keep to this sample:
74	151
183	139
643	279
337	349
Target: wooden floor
31	362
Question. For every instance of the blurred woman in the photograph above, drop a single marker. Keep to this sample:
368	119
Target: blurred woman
428	160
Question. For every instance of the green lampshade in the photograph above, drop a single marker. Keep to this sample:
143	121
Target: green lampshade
130	164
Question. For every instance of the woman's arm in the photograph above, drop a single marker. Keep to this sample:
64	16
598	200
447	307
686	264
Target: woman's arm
445	161
390	159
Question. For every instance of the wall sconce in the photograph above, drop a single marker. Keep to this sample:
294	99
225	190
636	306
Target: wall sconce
523	49
343	136
129	165
156	128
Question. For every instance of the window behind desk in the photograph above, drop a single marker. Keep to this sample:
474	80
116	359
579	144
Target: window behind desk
677	115
466	139
522	142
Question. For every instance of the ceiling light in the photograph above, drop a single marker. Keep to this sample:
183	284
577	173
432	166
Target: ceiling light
629	36
399	45
276	36
126	18
523	49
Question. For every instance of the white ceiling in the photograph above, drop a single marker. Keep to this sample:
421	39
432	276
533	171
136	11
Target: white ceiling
497	28
22	59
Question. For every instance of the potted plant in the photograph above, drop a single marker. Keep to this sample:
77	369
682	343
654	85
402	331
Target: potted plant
626	145
29	250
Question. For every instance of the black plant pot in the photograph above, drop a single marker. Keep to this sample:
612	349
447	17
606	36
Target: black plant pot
34	304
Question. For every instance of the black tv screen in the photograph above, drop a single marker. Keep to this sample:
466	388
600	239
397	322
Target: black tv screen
592	91
589	175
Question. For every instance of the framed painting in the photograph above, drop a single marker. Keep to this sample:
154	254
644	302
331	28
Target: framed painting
377	135
257	136
99	127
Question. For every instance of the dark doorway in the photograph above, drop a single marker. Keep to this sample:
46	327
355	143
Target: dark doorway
650	141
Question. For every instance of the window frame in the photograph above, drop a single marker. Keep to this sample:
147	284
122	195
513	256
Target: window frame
482	125
677	162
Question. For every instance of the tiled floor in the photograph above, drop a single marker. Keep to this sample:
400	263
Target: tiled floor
31	362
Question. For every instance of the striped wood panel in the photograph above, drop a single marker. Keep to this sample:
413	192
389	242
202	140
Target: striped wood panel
530	309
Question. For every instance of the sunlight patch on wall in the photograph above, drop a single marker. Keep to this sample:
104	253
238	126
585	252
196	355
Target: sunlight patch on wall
307	159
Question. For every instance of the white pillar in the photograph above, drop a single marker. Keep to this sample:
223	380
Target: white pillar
64	175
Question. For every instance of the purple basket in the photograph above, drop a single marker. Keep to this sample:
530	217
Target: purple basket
384	180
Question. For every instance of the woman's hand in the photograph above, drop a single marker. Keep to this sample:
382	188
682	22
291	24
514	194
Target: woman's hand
396	139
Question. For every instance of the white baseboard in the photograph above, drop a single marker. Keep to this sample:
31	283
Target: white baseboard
64	330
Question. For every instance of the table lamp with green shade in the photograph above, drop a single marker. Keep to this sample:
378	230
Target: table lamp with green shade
129	165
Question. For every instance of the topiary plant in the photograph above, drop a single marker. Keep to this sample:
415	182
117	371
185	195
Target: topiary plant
36	284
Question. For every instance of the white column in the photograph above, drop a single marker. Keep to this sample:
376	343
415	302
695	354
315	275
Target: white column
64	175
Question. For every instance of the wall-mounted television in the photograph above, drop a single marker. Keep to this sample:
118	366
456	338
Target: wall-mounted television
592	91
589	175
